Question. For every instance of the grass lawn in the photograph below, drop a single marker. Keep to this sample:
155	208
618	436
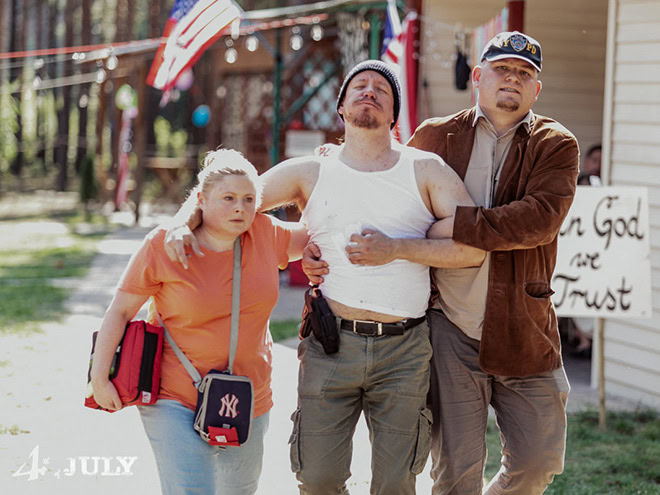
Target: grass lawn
35	251
623	460
282	330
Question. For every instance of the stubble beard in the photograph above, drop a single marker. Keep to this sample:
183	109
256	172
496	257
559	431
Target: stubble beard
363	120
508	105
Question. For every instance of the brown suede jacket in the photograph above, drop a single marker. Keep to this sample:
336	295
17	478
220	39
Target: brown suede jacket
535	191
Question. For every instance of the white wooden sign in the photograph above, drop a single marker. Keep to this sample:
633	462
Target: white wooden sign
603	259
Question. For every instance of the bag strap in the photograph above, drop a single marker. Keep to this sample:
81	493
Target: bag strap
235	314
235	303
192	371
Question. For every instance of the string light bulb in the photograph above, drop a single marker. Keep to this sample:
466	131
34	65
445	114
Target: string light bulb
231	55
100	75
112	62
296	41
317	32
252	43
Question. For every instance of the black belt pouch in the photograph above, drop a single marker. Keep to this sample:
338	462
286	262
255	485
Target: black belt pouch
317	318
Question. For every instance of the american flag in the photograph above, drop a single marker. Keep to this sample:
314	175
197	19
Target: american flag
398	51
392	47
192	27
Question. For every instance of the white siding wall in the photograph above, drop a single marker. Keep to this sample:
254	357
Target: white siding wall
572	34
440	19
632	347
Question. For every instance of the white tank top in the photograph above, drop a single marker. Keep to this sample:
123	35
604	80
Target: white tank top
346	201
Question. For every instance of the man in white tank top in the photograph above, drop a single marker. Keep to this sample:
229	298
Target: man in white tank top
382	366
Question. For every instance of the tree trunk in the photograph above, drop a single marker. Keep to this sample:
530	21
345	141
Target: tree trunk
120	20
85	39
3	76
130	19
41	12
155	27
16	43
139	136
53	18
100	123
157	19
49	72
64	108
125	20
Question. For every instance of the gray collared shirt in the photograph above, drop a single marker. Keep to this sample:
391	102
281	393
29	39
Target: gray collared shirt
463	290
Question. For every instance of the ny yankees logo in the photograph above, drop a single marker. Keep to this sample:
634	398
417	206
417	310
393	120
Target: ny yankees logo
229	405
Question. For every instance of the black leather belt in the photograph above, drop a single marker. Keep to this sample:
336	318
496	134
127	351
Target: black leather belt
373	328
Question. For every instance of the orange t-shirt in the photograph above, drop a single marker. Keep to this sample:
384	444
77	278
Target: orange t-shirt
195	305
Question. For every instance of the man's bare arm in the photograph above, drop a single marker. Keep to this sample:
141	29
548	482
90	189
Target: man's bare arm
440	186
375	248
291	181
298	240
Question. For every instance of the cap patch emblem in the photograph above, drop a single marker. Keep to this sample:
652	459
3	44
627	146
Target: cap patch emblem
518	42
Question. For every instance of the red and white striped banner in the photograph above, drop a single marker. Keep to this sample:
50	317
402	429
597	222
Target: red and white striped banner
400	53
193	26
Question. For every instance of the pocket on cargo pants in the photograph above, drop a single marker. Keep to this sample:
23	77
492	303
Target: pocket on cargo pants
423	447
294	442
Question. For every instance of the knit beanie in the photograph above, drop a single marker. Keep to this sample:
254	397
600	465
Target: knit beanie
384	70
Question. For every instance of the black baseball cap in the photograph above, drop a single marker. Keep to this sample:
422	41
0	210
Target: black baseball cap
513	44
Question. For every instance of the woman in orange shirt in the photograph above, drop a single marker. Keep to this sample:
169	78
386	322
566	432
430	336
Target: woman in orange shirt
195	305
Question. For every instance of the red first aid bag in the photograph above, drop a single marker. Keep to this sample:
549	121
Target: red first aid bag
135	369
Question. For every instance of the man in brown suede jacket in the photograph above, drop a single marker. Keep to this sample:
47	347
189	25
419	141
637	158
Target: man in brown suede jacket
493	328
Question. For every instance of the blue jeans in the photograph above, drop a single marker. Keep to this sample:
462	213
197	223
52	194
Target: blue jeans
187	464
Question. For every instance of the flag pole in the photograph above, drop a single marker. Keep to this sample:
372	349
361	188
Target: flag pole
374	39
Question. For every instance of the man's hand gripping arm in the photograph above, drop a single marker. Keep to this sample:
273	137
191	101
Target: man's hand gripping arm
180	231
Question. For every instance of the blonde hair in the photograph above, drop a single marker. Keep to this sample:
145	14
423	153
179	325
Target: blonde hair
219	164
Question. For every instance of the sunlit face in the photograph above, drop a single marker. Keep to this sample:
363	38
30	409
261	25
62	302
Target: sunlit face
509	86
369	102
228	206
